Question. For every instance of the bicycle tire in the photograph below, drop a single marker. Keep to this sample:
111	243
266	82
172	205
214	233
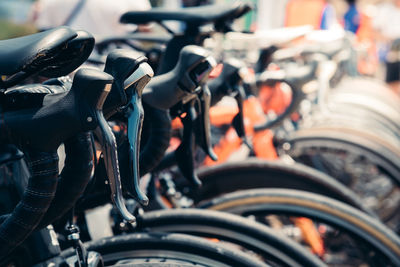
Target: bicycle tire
371	87
293	202
257	173
253	236
175	247
377	148
354	117
385	158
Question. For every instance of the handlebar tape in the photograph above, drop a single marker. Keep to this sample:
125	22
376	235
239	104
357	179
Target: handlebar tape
74	177
158	129
34	203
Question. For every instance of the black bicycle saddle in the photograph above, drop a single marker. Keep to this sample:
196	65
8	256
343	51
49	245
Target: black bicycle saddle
51	53
195	16
20	53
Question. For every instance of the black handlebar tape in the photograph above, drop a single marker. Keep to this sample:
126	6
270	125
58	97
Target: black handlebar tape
34	202
74	177
166	90
47	127
120	64
228	79
157	131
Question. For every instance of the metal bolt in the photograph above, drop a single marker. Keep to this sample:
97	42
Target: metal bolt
89	119
74	236
286	146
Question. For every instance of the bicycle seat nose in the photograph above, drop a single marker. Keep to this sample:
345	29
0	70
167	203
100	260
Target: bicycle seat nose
51	53
20	53
193	16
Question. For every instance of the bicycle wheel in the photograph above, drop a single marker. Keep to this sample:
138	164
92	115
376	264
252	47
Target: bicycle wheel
164	247
367	166
250	236
256	173
351	236
371	88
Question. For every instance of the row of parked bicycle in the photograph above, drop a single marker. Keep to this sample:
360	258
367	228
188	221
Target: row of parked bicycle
317	182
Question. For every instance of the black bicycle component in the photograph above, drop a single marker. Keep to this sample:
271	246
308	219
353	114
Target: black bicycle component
202	123
276	250
43	130
184	154
9	153
120	64
74	177
131	73
173	249
238	120
52	53
47	127
33	95
229	82
109	148
221	16
135	115
368	240
80	250
70	57
21	57
193	16
194	113
165	91
73	180
188	107
34	202
157	134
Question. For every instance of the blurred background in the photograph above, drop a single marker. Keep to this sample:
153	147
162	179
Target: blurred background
16	15
366	19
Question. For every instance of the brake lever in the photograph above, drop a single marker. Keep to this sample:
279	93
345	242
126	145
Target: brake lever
135	116
184	153
108	144
238	120
203	125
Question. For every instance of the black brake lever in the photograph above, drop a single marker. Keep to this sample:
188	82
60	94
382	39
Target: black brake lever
238	120
184	153
109	148
135	116
202	123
